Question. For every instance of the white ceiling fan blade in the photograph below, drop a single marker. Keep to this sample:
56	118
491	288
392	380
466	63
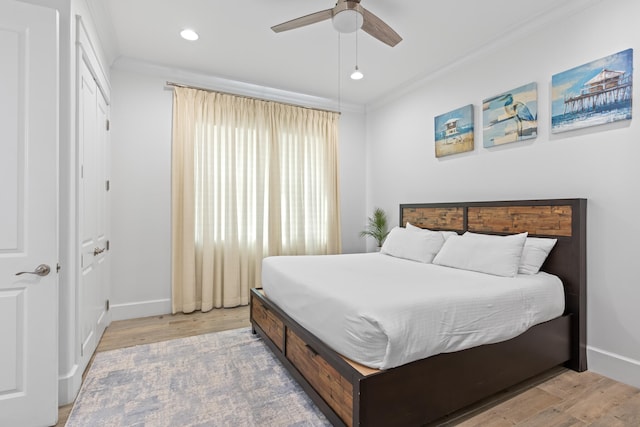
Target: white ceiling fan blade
303	21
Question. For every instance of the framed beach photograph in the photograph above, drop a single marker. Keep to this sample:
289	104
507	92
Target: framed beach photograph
454	131
593	94
511	116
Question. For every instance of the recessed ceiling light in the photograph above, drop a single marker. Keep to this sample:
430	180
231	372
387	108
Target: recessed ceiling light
189	35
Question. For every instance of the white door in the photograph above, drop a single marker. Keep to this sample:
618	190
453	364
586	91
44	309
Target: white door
28	215
93	287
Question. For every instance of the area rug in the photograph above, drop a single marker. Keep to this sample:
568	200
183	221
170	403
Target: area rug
221	379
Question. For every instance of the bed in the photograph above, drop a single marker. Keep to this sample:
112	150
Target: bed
426	389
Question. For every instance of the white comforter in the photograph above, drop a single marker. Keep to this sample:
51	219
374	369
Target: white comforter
383	312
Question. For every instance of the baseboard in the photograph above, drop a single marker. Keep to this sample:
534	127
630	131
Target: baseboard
69	386
135	310
614	366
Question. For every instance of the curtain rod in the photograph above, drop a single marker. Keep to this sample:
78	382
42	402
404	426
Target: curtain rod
248	97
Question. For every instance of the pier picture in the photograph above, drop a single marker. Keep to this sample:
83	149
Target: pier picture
511	116
454	131
593	94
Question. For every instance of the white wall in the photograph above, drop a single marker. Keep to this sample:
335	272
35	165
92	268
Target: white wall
599	163
141	183
352	180
141	195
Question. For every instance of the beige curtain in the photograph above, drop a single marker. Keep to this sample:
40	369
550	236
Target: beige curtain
250	178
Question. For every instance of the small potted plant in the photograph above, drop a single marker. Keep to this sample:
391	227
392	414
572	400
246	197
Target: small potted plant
376	227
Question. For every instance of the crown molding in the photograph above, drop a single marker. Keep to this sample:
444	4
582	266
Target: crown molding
516	31
193	78
100	15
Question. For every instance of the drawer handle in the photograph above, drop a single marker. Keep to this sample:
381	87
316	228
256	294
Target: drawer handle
311	350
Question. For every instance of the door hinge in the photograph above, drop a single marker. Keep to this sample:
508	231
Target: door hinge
108	124
58	267
82	171
81	261
81	350
107	245
107	304
108	185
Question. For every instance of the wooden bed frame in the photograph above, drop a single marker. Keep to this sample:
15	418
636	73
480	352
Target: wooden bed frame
425	390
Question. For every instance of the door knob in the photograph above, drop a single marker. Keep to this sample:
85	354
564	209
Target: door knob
97	251
41	270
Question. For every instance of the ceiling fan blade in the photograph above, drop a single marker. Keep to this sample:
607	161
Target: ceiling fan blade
375	27
303	21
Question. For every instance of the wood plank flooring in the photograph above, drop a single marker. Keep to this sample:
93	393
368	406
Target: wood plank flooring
559	398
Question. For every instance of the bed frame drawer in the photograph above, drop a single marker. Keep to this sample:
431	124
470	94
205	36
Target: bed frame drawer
268	321
336	391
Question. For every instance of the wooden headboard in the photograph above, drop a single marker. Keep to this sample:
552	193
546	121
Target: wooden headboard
563	219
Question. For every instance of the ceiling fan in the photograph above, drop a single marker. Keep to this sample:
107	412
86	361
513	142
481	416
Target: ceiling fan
347	16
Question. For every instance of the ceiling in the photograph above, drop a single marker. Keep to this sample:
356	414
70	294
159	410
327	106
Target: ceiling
236	41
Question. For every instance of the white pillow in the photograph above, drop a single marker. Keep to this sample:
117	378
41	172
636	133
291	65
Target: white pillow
535	252
445	234
421	247
498	255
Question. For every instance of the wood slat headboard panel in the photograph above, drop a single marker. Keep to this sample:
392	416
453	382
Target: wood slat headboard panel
538	220
441	218
564	219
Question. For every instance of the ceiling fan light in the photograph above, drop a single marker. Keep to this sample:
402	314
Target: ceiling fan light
347	21
357	74
188	34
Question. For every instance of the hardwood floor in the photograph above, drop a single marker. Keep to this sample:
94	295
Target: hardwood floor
560	398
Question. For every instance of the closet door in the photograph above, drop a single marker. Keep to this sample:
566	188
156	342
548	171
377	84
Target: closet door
93	286
28	215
